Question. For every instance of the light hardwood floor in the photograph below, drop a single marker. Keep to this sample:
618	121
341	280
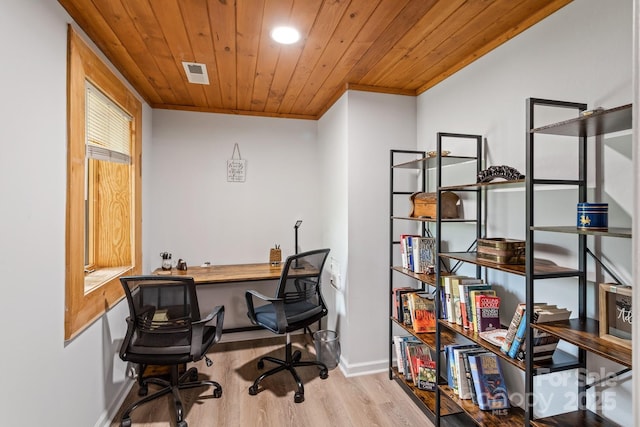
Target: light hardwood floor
367	400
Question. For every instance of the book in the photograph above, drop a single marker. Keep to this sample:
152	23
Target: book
398	346
491	391
427	375
452	364
397	302
487	312
519	337
463	390
417	352
465	286
405	343
467	370
472	300
415	255
448	297
544	344
494	336
406	311
513	328
423	312
427	255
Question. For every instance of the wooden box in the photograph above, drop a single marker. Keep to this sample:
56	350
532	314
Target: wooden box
425	205
501	250
615	313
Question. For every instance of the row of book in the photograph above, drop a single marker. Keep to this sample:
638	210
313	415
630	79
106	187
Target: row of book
415	308
470	303
418	253
415	362
474	373
544	344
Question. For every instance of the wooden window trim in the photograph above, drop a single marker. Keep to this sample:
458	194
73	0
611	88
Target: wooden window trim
82	309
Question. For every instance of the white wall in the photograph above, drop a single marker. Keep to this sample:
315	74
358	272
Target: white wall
197	215
46	382
582	53
356	135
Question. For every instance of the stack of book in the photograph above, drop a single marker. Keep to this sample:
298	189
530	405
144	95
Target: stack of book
415	308
544	343
470	303
414	361
474	373
418	253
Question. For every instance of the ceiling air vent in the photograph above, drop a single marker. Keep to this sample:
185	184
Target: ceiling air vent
196	73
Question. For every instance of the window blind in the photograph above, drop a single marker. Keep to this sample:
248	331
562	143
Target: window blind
108	128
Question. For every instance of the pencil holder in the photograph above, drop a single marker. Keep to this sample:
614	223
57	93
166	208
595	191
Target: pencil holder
275	256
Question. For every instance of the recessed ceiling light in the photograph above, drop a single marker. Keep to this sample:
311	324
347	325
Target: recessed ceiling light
285	35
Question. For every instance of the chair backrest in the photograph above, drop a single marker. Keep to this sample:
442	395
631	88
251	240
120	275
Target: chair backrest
300	278
161	310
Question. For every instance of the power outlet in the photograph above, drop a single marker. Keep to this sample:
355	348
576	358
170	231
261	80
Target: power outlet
334	272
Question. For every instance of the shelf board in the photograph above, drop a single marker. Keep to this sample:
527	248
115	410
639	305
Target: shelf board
486	185
512	417
561	360
610	232
599	123
541	267
576	418
431	162
429	219
429	339
585	334
426	278
428	398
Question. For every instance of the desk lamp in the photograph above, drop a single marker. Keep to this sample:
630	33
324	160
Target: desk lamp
295	227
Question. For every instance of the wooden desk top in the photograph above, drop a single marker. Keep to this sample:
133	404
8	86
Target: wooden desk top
227	273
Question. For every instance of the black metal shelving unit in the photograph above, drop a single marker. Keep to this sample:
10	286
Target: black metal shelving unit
581	332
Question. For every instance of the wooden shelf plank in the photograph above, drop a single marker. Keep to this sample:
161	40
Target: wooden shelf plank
585	334
429	339
510	417
431	162
426	278
542	267
610	232
428	398
429	219
599	123
577	418
560	361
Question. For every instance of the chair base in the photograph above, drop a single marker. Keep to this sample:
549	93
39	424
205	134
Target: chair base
178	382
292	361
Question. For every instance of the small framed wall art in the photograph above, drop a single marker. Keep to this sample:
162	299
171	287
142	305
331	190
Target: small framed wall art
616	313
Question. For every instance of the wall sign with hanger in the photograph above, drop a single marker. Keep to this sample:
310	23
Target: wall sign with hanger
236	167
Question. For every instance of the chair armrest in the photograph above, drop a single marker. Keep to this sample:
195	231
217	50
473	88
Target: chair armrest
197	330
278	304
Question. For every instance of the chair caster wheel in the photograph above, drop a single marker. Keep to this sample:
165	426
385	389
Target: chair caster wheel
298	397
253	390
324	374
182	424
143	390
193	376
260	364
217	393
125	422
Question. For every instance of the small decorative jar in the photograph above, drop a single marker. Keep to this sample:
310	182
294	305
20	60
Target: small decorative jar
594	216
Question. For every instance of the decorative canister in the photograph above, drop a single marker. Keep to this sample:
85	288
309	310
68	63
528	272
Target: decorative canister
593	215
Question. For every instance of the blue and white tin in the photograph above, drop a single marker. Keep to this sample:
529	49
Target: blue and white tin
593	215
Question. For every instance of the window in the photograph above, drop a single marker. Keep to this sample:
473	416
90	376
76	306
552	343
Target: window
103	187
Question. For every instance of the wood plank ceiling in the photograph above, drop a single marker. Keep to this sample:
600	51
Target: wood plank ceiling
391	46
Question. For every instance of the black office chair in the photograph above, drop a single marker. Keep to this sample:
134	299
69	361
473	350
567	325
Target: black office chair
298	303
164	327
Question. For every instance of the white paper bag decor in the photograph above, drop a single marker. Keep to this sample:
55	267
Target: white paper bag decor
236	167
